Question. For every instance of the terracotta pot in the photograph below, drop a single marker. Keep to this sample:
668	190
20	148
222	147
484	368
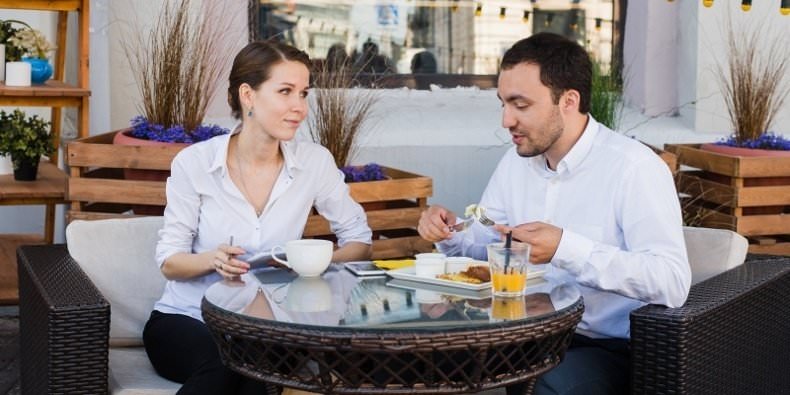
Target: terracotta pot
739	151
123	138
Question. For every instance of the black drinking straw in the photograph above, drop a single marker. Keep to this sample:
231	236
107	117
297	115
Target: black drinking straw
508	242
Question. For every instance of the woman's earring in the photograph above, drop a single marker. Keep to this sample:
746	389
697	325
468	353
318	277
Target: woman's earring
249	113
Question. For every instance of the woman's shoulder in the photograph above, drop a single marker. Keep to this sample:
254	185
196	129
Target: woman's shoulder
308	151
202	152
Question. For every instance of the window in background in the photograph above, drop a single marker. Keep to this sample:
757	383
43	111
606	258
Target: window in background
446	42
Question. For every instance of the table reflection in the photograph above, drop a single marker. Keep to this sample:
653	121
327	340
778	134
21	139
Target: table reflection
339	298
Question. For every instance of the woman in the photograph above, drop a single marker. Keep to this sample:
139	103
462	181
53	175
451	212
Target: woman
255	187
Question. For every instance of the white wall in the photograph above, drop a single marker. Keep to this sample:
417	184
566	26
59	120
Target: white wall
672	49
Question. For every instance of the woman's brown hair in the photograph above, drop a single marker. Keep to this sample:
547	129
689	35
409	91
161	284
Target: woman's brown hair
253	65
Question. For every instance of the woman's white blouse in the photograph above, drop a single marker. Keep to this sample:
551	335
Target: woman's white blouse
205	208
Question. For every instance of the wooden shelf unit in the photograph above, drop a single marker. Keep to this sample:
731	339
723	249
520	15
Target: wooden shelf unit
49	189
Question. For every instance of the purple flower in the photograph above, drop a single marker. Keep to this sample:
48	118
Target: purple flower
142	129
767	141
369	172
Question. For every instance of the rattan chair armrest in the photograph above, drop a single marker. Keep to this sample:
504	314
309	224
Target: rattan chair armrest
730	337
64	325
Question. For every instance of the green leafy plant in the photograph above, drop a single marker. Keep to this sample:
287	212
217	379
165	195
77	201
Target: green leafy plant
25	138
606	102
13	53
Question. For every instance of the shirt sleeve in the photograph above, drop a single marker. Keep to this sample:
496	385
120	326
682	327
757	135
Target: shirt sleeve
473	241
653	268
181	213
346	217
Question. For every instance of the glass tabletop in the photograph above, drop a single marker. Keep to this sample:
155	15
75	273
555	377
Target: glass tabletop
340	299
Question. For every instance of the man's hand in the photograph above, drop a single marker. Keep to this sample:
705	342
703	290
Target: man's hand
434	223
544	239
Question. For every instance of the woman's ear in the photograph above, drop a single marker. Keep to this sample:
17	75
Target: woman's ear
245	95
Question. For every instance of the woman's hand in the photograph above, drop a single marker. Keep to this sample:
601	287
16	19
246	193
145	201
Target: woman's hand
226	264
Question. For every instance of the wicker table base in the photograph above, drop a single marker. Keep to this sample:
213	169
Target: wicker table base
356	360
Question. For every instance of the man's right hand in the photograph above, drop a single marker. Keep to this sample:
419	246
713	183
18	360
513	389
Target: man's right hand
435	224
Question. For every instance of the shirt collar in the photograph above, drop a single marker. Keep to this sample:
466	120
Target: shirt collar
581	148
288	149
577	153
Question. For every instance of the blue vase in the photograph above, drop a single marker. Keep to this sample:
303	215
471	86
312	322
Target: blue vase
40	69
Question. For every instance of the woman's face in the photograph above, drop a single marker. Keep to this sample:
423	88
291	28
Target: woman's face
279	104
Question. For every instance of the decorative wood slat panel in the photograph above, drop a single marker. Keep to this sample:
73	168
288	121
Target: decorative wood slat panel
118	156
379	220
691	155
400	247
116	191
753	194
43	5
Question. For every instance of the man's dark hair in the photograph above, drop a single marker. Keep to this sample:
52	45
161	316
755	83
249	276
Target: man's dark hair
563	63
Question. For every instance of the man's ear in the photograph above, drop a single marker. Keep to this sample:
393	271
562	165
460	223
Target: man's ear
570	101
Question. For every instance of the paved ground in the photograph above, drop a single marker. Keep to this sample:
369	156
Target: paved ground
9	351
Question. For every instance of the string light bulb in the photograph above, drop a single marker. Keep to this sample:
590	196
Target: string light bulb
784	7
598	22
479	9
746	5
454	7
549	19
525	19
707	3
502	12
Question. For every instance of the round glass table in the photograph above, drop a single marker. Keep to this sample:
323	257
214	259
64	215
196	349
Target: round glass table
344	334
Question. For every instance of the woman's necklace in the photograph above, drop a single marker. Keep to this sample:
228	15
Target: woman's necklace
246	192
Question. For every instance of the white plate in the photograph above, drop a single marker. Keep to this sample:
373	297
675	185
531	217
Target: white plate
407	273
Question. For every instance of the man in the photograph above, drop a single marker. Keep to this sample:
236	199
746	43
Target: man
596	205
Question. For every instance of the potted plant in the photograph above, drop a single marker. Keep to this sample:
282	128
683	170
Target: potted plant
393	199
25	139
177	67
177	64
743	182
755	84
35	49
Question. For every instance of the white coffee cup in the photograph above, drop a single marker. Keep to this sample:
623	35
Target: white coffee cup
429	264
309	295
307	257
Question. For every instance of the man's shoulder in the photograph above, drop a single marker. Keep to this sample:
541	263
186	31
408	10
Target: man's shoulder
622	147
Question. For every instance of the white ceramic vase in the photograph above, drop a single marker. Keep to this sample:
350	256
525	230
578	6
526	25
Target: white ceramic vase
6	166
2	62
17	74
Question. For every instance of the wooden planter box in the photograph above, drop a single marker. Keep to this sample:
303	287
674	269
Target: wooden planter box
97	189
750	195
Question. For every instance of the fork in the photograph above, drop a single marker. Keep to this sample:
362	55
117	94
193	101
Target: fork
467	222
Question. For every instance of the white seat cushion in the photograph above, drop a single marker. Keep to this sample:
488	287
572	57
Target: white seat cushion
132	374
118	256
712	251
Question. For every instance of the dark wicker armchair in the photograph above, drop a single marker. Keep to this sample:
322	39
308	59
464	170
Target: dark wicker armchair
732	336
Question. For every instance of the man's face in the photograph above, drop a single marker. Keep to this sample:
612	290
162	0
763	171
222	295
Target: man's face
528	110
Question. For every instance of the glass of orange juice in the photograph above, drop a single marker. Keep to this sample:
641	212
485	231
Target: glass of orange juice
508	267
